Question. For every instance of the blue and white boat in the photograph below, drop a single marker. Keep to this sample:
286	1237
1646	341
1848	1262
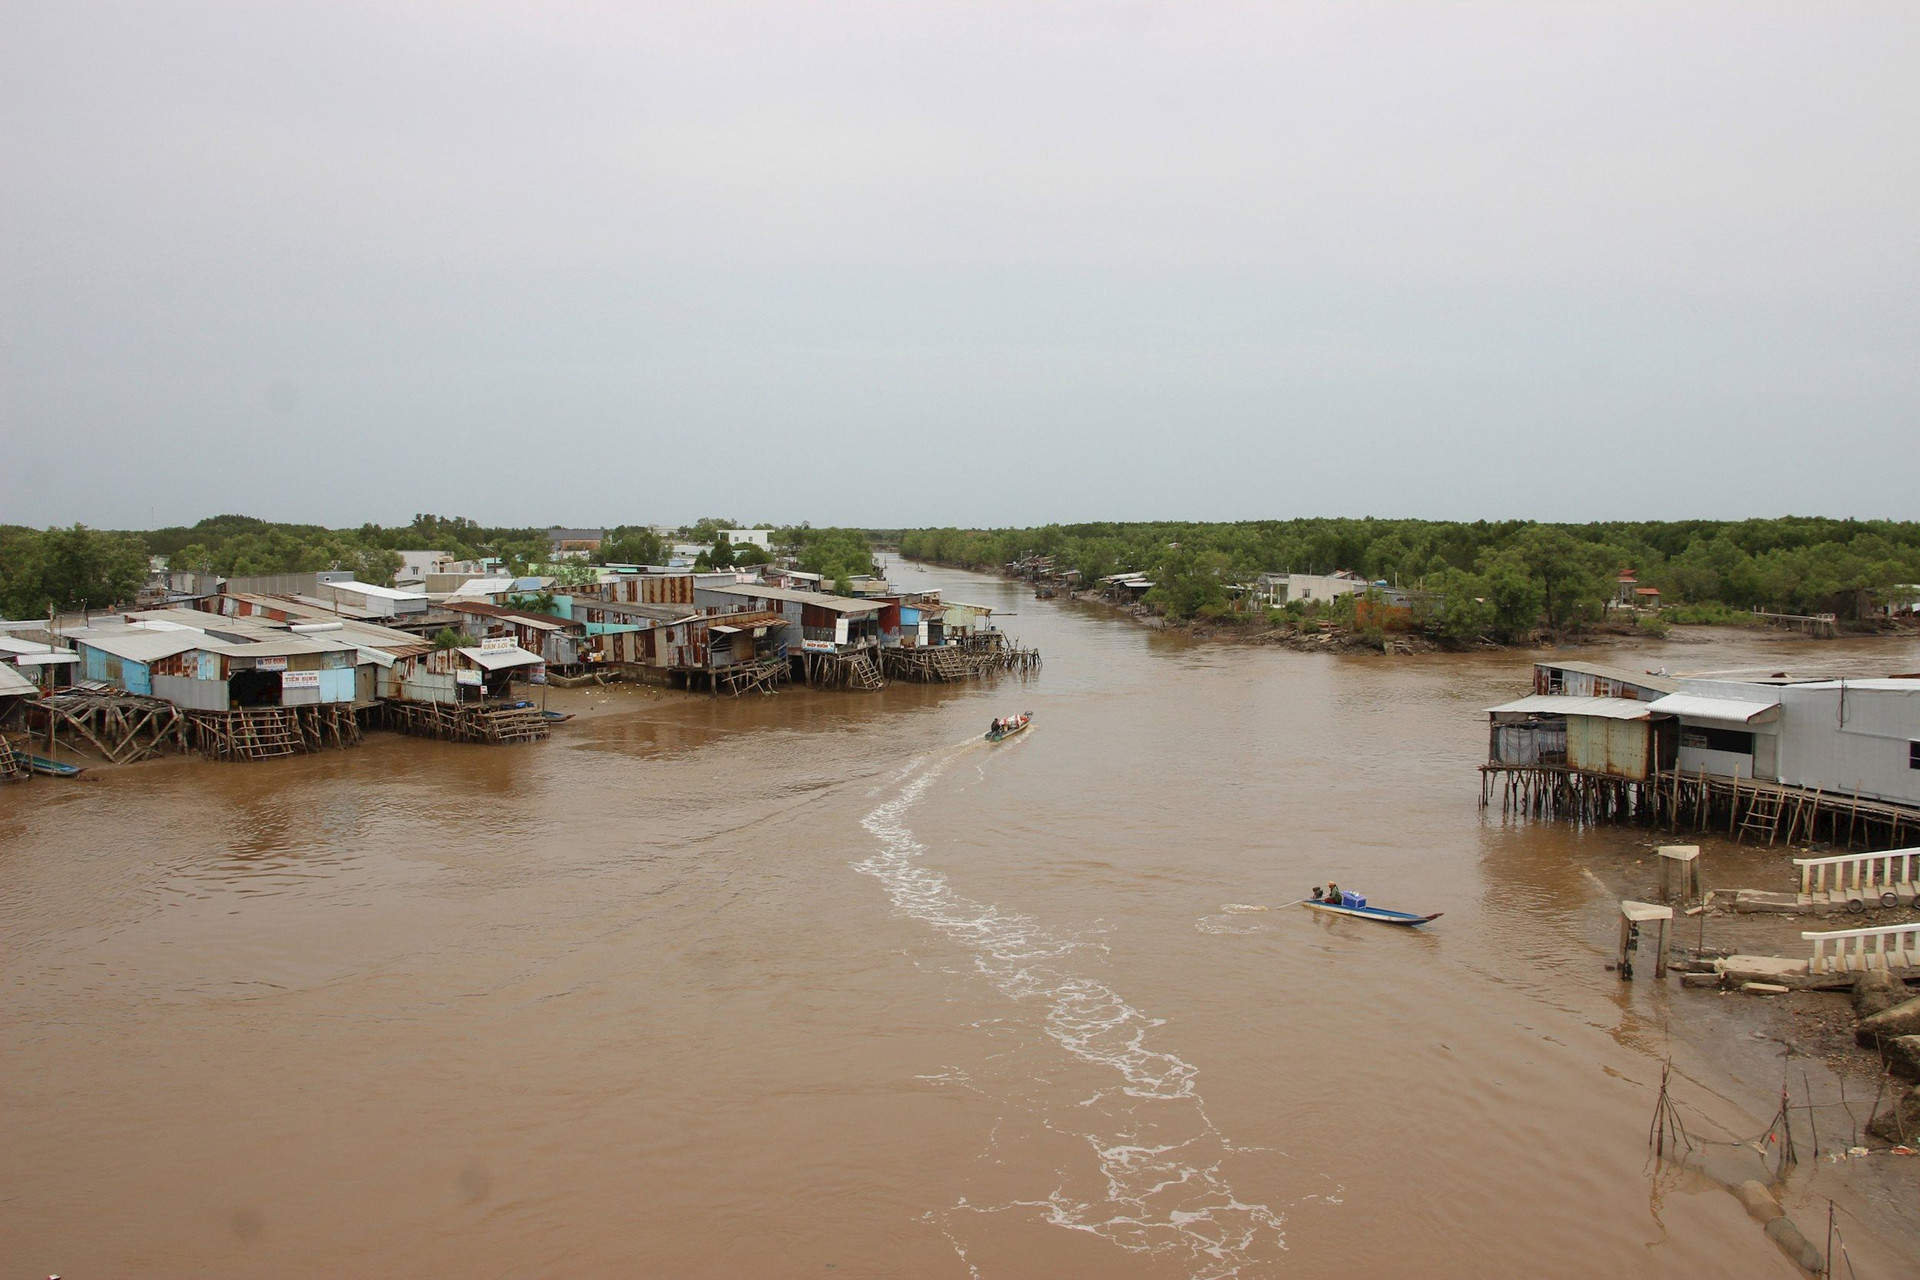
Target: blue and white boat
1353	904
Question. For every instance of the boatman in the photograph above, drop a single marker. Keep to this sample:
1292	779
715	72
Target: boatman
1333	893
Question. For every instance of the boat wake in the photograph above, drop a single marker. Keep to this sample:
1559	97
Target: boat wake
1155	1183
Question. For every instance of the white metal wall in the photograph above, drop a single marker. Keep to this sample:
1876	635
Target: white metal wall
1867	755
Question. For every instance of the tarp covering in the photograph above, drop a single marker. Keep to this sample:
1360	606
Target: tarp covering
496	659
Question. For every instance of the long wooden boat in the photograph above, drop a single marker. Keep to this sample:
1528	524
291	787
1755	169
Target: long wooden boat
1381	914
997	735
53	768
556	717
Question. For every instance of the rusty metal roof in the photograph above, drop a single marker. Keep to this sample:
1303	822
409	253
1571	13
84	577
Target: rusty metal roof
835	604
746	621
1645	679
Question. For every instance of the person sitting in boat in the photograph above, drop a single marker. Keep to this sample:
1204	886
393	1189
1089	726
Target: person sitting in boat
1333	893
1318	894
996	725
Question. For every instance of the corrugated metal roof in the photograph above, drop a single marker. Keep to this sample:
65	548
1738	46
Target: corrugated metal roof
1878	684
1560	704
538	621
484	586
334	609
141	646
372	589
664	613
746	621
12	683
281	646
1698	706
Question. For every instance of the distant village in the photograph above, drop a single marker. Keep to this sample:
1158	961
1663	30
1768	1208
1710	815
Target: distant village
252	668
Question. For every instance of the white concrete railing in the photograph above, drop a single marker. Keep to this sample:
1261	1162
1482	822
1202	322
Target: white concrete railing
1851	954
1869	874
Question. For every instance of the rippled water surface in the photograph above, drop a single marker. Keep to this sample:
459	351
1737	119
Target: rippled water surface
824	985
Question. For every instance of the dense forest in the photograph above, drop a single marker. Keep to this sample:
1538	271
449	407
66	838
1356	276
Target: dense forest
1485	578
76	567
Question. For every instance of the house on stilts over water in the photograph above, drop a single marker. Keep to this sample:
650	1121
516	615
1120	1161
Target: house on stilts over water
1773	757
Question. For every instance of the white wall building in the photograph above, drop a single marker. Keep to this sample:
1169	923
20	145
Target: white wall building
1275	589
761	538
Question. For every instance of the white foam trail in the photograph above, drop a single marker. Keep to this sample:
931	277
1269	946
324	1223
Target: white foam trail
1165	1192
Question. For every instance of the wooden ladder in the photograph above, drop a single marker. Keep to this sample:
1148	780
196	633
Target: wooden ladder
13	765
863	674
1763	815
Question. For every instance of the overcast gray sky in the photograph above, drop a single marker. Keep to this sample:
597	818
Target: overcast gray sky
904	264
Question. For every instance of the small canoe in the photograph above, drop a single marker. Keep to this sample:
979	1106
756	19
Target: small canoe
557	717
996	735
1381	914
53	768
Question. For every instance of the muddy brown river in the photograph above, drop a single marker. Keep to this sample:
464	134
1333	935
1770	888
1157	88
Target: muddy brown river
824	985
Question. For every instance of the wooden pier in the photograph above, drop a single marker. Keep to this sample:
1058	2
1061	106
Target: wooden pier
120	727
465	722
1741	807
934	664
854	669
762	676
1824	626
268	733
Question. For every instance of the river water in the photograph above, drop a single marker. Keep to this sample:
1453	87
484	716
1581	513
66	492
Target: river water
823	985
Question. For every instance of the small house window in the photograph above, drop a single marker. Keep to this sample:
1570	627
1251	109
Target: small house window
1701	738
1913	755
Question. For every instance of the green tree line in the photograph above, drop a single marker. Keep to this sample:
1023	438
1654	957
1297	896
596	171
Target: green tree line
1498	578
73	567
